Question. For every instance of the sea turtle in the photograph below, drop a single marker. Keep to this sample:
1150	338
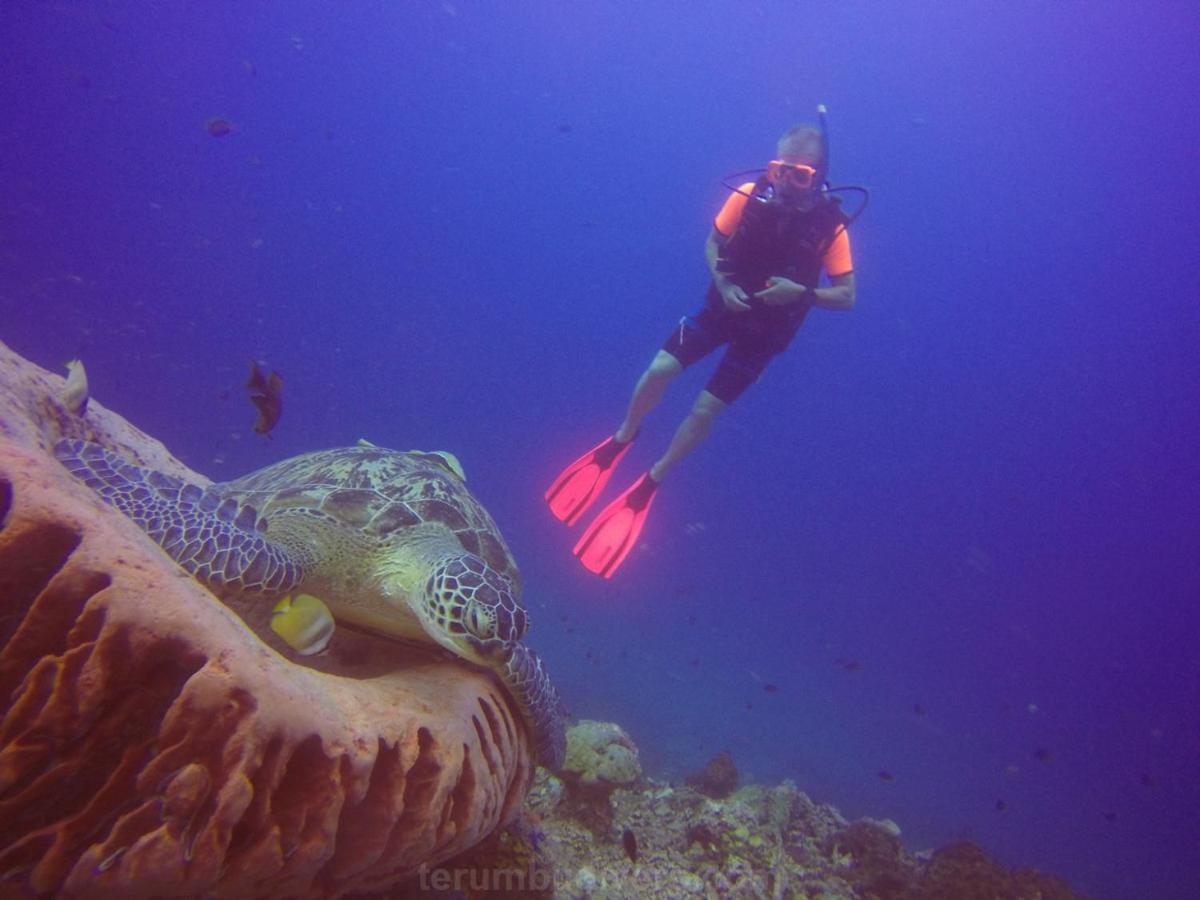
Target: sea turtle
391	541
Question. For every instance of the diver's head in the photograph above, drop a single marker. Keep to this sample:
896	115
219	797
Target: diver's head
798	170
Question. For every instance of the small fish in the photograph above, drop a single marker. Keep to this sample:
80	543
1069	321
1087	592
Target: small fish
1148	780
1001	806
850	665
304	622
266	393
629	840
1043	755
771	688
918	709
1110	816
74	394
885	775
218	127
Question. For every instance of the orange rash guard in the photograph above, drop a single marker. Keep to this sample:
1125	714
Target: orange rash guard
837	260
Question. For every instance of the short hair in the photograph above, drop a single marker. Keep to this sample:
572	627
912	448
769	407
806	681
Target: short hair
804	141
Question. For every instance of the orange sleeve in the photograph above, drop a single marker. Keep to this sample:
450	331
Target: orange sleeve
837	259
727	219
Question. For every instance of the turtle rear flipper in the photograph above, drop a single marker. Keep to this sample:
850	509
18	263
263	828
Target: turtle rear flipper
214	538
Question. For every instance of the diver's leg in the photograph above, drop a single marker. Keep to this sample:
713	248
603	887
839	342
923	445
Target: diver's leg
739	368
649	390
691	432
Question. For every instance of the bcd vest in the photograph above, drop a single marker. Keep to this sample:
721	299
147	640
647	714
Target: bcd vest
774	239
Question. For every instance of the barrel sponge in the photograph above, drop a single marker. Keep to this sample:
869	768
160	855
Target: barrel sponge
155	741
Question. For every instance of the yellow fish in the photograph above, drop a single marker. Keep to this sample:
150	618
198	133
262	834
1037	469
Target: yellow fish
304	622
74	394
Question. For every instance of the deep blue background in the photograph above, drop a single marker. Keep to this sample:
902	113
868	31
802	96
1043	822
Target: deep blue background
455	225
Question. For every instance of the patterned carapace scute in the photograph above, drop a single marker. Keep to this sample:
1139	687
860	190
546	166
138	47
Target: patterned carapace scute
381	491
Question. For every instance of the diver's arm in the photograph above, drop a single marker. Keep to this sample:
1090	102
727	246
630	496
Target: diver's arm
781	291
734	297
712	253
839	294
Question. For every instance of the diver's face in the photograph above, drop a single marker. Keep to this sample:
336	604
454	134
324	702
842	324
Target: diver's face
794	180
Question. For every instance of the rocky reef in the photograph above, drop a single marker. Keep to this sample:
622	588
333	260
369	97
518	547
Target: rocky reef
586	835
156	742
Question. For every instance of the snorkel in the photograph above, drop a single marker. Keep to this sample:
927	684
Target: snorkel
823	172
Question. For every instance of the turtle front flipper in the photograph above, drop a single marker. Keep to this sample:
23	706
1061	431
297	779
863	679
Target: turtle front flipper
526	678
214	538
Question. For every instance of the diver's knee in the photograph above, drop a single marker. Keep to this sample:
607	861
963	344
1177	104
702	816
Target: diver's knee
708	406
664	365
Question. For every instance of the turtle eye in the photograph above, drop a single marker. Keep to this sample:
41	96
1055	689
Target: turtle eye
479	621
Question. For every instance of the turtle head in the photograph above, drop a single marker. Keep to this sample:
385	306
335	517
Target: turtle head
470	608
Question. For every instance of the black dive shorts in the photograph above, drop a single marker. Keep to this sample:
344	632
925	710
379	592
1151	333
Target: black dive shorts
752	342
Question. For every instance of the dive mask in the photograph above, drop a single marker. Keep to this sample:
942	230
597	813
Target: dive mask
797	175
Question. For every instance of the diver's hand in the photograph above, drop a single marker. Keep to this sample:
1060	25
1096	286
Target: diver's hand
781	291
736	299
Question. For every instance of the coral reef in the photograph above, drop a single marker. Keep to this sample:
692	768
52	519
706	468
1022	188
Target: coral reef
757	842
718	779
154	742
601	755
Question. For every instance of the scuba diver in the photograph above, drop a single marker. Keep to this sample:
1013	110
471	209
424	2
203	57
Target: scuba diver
767	249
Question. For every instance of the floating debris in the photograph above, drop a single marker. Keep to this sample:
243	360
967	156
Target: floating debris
771	688
1043	755
850	665
218	127
1001	806
885	775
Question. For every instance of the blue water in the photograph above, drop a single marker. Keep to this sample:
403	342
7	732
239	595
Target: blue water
456	225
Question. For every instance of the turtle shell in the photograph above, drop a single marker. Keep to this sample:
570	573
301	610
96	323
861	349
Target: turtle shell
380	492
